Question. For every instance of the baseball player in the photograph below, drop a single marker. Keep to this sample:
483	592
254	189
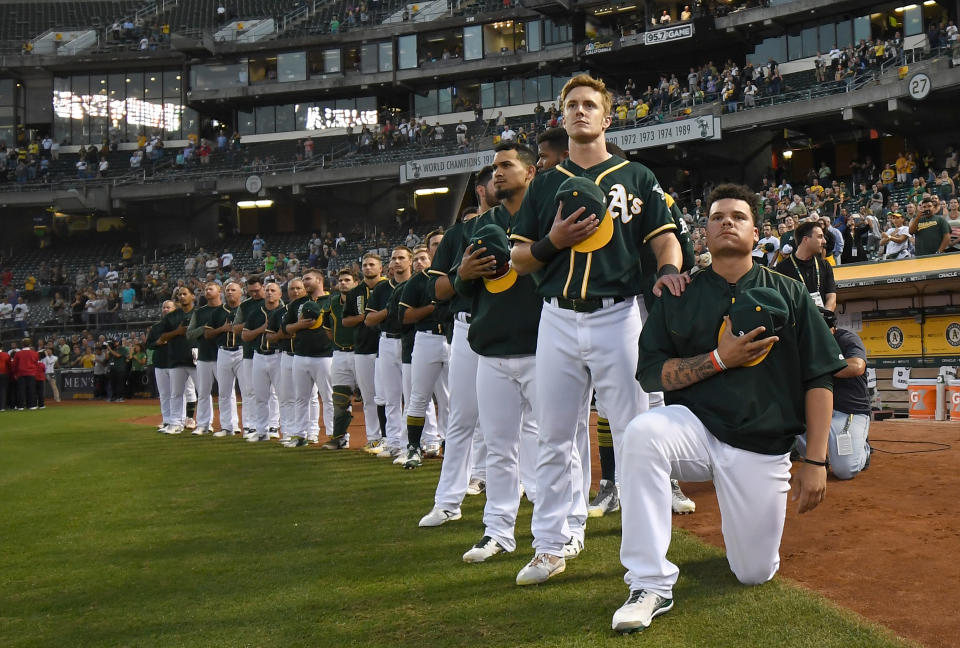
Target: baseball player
161	367
408	334
302	422
174	333
431	357
206	356
342	374
313	357
229	358
266	361
589	279
366	342
389	373
506	371
253	303
464	458
745	363
284	346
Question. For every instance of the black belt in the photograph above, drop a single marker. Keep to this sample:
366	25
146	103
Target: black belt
344	349
435	330
289	353
585	305
393	336
236	348
259	352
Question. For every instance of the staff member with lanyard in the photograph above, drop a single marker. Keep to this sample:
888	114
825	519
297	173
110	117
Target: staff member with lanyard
808	266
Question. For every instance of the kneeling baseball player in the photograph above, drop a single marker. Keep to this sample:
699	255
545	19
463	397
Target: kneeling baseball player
745	363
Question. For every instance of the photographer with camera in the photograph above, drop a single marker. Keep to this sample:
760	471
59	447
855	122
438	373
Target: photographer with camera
118	356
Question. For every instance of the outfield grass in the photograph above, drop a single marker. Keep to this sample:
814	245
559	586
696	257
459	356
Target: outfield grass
114	535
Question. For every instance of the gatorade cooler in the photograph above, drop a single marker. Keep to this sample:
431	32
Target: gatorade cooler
953	400
923	398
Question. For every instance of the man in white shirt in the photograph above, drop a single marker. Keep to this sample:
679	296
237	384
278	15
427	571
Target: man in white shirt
20	311
226	260
749	95
461	133
258	244
767	247
136	159
508	134
212	265
112	277
896	238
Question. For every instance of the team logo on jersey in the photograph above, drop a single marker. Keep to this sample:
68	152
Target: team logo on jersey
894	337
953	334
623	205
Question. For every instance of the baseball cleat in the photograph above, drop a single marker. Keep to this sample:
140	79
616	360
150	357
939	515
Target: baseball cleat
681	503
249	432
542	567
221	433
274	432
637	613
399	456
414	458
173	429
438	516
190	424
572	548
374	447
476	486
198	431
294	442
431	451
256	438
335	443
482	551
606	501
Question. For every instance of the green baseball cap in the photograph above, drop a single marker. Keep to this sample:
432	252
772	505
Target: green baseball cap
576	192
755	307
494	239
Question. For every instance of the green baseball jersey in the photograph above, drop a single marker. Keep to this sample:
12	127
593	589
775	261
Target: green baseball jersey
257	318
218	318
180	348
648	260
343	337
760	408
930	233
206	348
416	295
407	331
160	358
312	342
366	337
504	323
446	259
639	210
247	308
379	297
275	325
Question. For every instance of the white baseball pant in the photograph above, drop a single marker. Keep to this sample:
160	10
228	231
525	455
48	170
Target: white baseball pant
389	389
266	385
247	394
671	442
229	365
343	372
431	360
430	418
459	446
287	397
179	379
162	378
572	348
309	376
506	392
206	373
364	368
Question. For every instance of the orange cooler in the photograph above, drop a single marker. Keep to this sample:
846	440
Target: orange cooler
923	398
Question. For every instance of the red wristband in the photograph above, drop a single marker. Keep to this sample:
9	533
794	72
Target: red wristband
713	361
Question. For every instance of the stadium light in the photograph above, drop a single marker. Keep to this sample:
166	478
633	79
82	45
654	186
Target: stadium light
432	191
787	154
254	204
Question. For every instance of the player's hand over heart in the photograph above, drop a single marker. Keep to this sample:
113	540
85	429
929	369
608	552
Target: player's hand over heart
567	232
736	351
475	264
809	486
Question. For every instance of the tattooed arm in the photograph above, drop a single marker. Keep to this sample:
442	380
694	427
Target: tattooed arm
679	373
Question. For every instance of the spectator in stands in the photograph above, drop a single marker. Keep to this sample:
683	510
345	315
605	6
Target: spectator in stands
258	244
953	220
20	312
665	18
508	134
112	277
226	261
128	296
685	14
855	234
293	263
270	262
896	239
931	231
308	148
212	264
411	240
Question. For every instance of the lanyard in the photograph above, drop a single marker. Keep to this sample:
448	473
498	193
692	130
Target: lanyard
816	264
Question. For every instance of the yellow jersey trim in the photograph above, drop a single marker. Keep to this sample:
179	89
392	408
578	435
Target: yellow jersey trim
660	230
